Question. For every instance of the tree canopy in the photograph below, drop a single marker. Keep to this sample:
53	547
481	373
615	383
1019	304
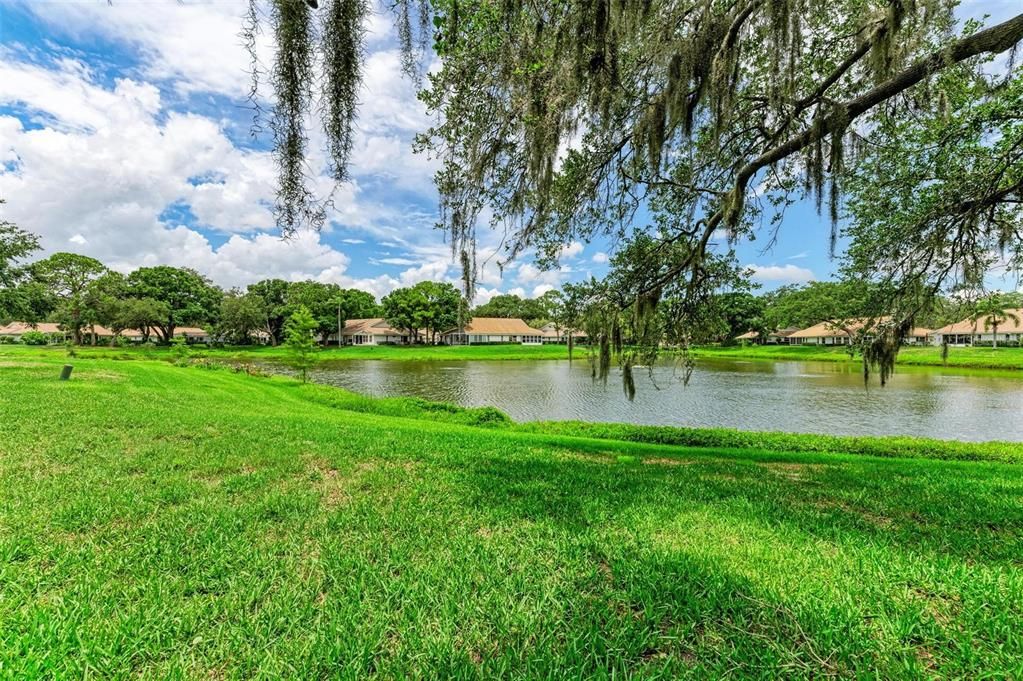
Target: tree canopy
564	120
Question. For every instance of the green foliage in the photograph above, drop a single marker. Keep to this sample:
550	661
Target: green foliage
179	350
299	341
240	315
68	276
428	307
995	310
727	438
15	245
274	294
533	311
188	297
35	338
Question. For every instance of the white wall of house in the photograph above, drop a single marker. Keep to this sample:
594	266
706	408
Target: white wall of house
962	339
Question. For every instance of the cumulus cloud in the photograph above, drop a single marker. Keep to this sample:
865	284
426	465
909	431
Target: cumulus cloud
571	250
600	257
781	274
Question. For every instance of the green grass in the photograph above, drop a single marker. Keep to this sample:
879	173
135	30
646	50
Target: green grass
975	358
959	358
159	521
326	356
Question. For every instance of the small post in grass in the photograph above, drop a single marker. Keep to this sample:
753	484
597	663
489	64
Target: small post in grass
65	373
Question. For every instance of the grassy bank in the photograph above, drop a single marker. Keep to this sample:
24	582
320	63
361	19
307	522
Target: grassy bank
975	358
163	521
961	358
328	355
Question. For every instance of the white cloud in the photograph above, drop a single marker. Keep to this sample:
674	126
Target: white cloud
542	289
600	257
798	256
782	274
571	250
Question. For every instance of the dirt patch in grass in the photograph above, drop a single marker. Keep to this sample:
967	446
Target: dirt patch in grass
882	522
665	461
799	472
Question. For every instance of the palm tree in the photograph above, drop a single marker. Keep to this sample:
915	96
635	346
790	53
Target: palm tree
995	311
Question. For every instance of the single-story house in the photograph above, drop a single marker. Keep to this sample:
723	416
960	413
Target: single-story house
779	337
480	330
831	333
193	334
969	332
828	333
18	329
374	331
918	336
550	333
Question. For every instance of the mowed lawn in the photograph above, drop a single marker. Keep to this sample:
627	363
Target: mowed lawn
965	357
178	522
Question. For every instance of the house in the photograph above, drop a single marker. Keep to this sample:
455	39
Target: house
192	334
480	330
550	333
18	329
780	337
918	336
828	333
970	332
374	331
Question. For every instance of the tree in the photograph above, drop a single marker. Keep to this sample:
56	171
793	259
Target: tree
428	306
300	342
68	276
322	302
511	306
274	294
104	301
15	245
144	314
240	315
188	296
844	305
937	197
994	310
585	114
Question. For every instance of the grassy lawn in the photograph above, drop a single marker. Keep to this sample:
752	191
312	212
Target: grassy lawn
420	353
966	358
161	521
977	358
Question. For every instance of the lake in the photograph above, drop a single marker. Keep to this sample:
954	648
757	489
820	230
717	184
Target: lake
810	397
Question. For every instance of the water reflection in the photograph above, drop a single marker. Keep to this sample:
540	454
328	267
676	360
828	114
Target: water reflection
820	397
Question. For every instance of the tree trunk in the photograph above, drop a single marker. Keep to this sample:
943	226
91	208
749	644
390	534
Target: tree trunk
994	336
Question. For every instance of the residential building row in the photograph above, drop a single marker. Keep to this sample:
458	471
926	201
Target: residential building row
375	331
961	333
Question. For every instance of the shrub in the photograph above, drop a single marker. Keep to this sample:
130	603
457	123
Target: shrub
7	340
34	338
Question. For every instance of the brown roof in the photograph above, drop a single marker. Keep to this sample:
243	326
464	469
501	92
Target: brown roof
548	331
1008	325
371	326
189	331
829	329
499	326
18	328
748	334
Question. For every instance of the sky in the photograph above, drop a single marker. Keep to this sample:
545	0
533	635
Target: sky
125	135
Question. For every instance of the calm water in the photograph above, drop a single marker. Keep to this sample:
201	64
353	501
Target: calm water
816	397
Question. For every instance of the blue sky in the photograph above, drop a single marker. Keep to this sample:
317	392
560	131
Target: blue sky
124	134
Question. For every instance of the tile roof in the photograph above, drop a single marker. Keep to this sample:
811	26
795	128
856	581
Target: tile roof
499	326
969	326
